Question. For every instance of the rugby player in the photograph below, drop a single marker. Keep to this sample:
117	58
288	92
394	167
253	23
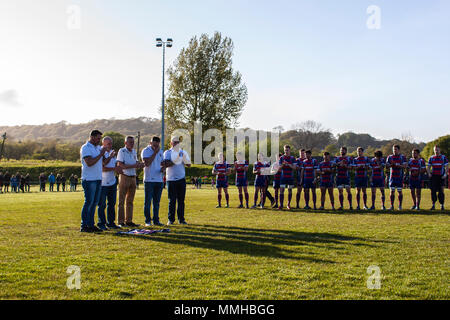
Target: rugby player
343	164
416	167
396	162
221	169
361	163
437	171
325	170
377	164
309	179
241	168
288	166
299	176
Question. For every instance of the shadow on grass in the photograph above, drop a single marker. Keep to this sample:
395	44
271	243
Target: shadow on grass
360	212
256	242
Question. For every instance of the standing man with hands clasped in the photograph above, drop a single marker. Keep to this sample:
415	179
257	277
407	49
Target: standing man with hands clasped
91	179
152	156
175	160
109	188
128	162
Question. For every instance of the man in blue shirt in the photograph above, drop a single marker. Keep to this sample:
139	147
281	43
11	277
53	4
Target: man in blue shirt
152	156
51	181
175	161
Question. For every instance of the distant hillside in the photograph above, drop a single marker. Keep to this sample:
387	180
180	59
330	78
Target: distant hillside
79	132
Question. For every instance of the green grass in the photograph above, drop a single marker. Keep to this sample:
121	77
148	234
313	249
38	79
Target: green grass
223	253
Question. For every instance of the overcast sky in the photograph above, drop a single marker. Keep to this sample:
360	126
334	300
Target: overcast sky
300	60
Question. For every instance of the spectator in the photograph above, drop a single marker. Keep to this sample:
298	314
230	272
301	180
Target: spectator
176	179
6	181
91	179
27	182
22	184
109	188
1	182
51	181
75	182
127	161
71	182
14	183
58	181
42	181
153	180
63	182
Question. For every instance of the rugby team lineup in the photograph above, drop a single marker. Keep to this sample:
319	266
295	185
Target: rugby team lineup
307	173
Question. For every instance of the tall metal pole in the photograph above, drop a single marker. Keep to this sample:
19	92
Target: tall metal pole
162	108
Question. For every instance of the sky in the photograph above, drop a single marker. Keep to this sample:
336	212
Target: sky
79	60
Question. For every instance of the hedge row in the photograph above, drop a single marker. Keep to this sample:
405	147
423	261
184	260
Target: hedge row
74	168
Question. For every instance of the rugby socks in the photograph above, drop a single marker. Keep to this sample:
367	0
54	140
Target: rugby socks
400	198
392	199
307	197
297	198
219	198
413	195
246	198
365	199
341	200
281	199
358	199
349	198
289	198
314	198
241	199
227	198
373	199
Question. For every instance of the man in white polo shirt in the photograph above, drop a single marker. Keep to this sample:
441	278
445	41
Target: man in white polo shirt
127	161
175	161
91	179
109	188
152	156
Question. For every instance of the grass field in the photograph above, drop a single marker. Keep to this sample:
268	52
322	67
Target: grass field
222	253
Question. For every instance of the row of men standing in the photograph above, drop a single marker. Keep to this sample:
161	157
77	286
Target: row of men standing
101	164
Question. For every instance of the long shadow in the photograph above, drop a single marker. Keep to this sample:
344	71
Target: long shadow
346	212
254	242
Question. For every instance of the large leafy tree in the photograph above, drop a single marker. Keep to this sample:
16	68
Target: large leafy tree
204	87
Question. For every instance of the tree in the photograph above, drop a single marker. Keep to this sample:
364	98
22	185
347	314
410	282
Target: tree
309	135
442	142
203	86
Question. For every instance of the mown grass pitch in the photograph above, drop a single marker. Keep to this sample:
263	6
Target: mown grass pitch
222	253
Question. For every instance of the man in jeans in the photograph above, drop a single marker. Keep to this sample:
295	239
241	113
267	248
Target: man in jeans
127	161
91	176
109	187
152	156
175	161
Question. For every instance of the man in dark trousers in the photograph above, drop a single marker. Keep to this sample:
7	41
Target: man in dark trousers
437	171
175	161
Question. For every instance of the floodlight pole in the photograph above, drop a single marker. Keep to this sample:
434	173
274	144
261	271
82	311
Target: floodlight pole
162	108
163	44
